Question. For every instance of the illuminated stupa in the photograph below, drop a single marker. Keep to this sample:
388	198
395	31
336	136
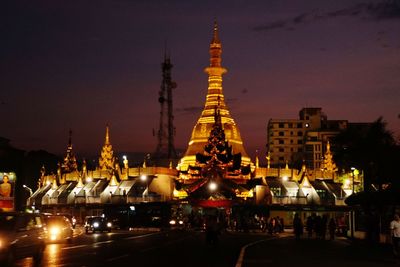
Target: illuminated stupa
214	98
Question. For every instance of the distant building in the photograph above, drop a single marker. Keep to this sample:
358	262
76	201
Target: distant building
296	140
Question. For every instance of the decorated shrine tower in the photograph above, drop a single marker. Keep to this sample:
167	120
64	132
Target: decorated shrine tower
214	99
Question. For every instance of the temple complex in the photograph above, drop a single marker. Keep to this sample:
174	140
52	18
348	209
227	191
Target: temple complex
214	172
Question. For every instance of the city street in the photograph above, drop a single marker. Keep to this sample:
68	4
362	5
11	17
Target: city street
188	248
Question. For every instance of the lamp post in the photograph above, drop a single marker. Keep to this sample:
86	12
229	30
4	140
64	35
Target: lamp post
29	189
126	166
352	211
352	176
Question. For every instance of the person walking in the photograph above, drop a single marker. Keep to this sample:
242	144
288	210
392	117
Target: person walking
310	226
395	233
297	226
332	228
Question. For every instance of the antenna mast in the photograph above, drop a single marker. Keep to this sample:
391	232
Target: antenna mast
166	132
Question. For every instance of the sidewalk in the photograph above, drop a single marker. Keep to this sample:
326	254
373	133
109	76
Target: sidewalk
287	251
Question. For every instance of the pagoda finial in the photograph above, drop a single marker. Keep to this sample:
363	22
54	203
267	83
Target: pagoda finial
107	135
70	138
215	39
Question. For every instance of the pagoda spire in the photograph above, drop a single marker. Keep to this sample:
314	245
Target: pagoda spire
214	99
328	164
107	141
106	159
69	164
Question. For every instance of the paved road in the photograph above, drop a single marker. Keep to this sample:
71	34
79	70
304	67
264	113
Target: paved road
188	248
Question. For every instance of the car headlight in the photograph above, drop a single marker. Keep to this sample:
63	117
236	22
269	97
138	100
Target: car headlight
54	230
96	224
180	222
109	224
172	222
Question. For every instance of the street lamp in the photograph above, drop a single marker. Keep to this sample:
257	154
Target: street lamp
352	211
125	161
29	189
352	175
143	178
213	186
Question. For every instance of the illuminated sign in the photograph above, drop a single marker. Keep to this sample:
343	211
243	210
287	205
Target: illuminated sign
7	182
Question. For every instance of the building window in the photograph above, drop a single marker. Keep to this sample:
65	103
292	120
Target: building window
290	125
276	191
299	125
281	142
281	158
281	125
291	141
281	150
299	142
299	133
281	133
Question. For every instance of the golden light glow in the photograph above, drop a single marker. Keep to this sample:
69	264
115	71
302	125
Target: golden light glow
180	194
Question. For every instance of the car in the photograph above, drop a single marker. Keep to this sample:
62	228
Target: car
59	229
97	223
22	235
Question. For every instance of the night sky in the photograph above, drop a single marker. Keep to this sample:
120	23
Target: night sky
90	63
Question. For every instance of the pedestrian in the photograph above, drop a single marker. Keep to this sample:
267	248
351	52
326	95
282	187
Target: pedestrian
271	226
332	228
310	226
278	226
395	233
324	222
297	226
212	230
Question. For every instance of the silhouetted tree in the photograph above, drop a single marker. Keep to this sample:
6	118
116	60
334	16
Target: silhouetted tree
370	148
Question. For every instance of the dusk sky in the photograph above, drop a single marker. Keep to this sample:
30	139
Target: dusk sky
83	64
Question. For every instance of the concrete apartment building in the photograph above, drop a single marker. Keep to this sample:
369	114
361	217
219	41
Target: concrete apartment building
292	141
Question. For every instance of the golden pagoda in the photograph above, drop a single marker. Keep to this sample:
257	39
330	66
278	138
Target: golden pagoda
215	98
106	160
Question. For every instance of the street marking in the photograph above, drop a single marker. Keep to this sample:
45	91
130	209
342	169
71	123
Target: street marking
103	242
141	236
243	249
79	246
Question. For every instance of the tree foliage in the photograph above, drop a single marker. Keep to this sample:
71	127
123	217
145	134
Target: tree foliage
371	148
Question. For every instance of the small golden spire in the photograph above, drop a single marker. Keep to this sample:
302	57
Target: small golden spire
257	162
268	157
54	186
80	182
215	39
113	181
107	141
